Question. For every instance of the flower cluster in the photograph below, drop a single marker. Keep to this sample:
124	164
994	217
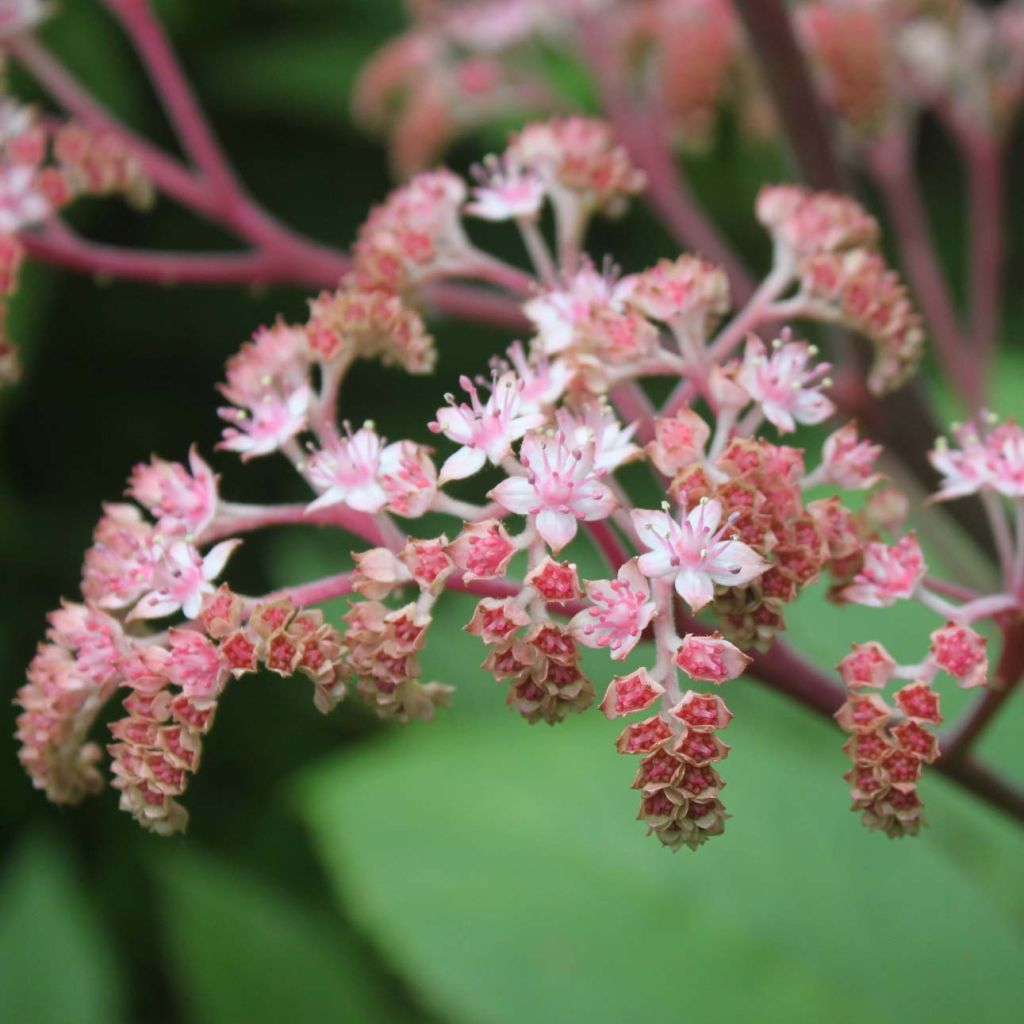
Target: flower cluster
890	744
831	244
678	782
43	167
733	531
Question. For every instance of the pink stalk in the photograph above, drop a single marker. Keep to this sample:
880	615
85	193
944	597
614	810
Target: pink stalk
232	519
890	162
164	268
175	93
306	594
168	174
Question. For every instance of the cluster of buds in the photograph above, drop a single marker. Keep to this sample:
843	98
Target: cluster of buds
541	665
734	534
677	778
464	65
830	244
381	648
890	744
43	167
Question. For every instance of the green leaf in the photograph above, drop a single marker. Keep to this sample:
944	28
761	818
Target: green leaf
56	963
499	867
305	76
245	951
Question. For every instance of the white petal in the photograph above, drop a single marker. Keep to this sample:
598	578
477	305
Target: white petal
217	557
465	462
557	528
695	588
516	494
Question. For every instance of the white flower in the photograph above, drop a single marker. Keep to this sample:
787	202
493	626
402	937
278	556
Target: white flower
563	487
692	551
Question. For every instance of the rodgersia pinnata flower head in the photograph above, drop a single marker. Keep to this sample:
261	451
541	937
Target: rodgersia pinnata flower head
550	435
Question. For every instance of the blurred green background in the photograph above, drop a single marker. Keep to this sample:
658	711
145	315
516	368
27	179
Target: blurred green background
475	870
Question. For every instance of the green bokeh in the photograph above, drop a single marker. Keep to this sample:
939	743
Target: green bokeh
476	869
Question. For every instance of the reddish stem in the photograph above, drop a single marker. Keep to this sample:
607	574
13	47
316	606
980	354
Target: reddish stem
232	519
986	201
890	161
306	594
806	125
166	268
607	541
168	174
172	87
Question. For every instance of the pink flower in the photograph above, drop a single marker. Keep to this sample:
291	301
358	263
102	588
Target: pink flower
120	564
506	191
268	380
710	658
621	609
408	477
848	461
687	292
96	641
588	315
867	664
625	696
613	443
561	488
992	459
181	500
542	380
803	223
679	441
274	362
693	552
856	288
348	473
415	234
196	665
554	581
181	578
483	550
965	470
960	651
890	573
1006	446
270	422
21	202
485	430
578	159
781	383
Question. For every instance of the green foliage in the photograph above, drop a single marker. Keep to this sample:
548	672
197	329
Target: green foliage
497	867
56	962
243	951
